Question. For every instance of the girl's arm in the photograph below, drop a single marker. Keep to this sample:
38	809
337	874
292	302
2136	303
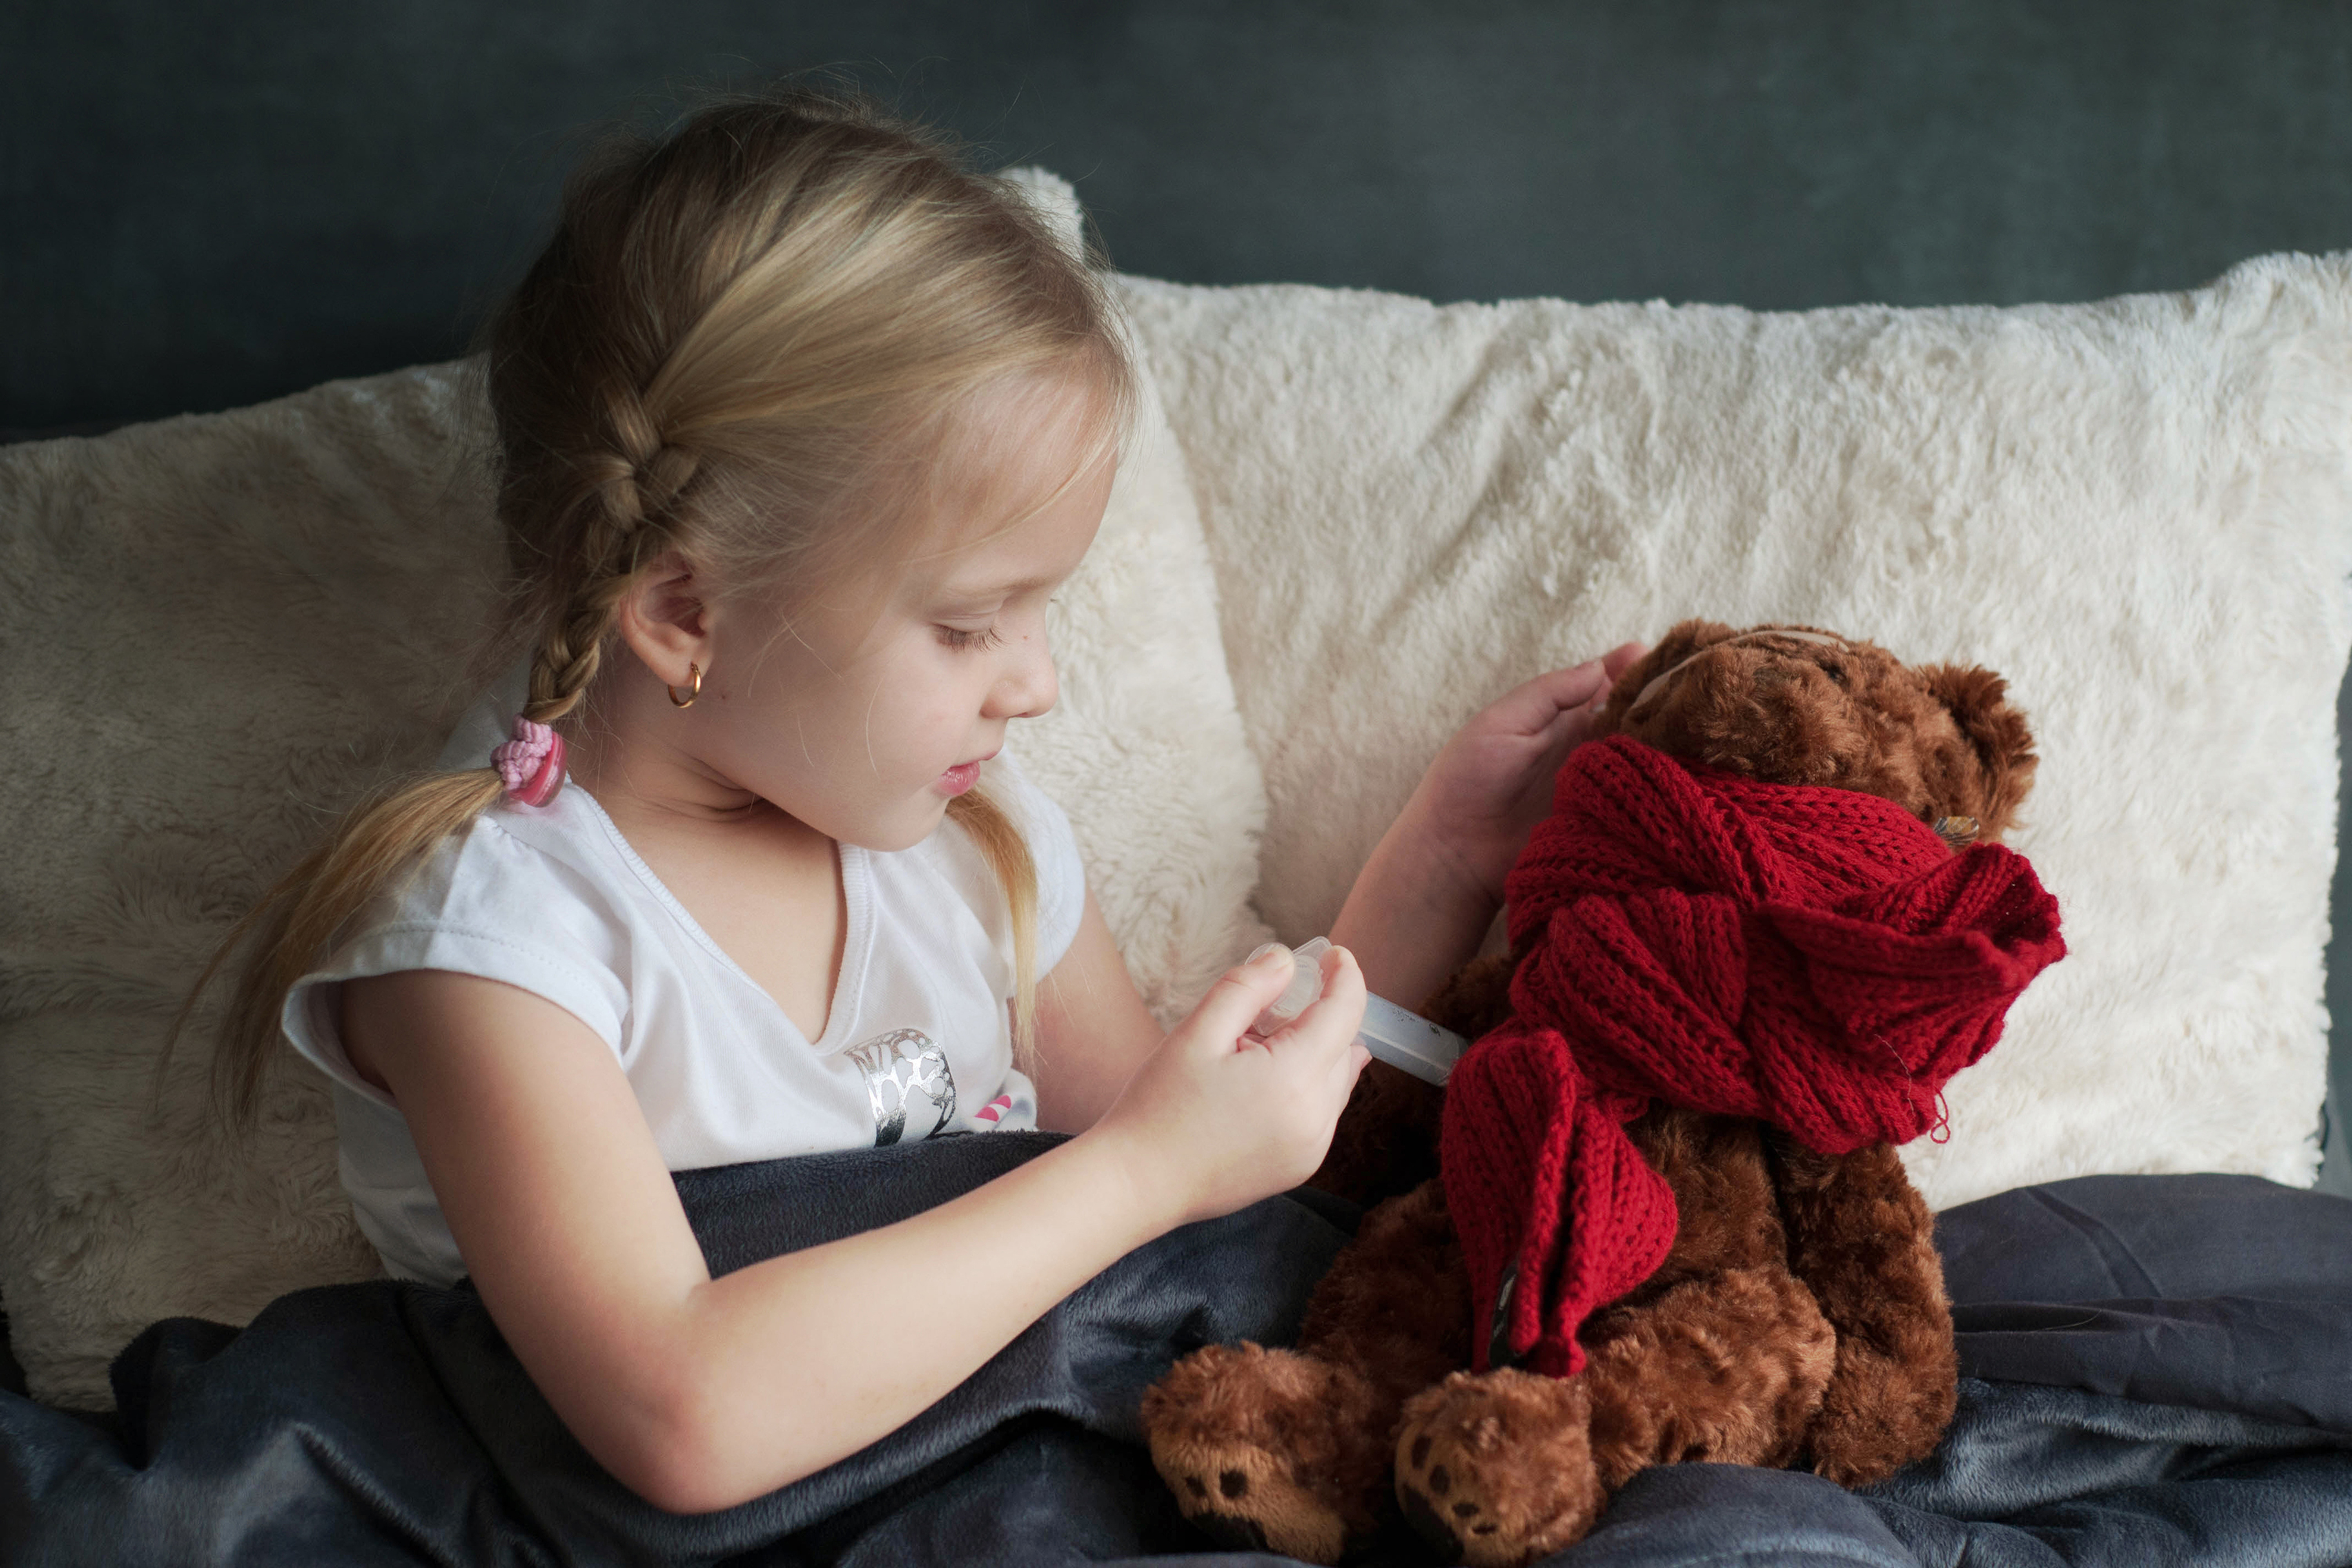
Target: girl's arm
700	1394
1093	1030
1423	901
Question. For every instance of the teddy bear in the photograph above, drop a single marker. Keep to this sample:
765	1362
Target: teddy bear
1656	1215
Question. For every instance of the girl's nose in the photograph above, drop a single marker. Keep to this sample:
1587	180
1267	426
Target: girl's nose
1029	685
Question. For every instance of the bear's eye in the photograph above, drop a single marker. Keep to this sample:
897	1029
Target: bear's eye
1835	672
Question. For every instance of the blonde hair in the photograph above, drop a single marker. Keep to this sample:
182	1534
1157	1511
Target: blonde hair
736	346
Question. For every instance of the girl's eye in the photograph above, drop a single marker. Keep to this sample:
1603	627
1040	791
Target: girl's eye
960	639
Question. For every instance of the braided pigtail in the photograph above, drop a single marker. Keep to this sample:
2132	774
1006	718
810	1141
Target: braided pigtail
624	502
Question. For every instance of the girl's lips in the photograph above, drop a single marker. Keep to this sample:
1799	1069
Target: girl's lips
961	776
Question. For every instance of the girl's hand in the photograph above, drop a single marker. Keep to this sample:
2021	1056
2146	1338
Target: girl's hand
1492	783
1214	1120
1434	880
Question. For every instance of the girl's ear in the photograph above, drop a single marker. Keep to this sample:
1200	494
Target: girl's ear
664	620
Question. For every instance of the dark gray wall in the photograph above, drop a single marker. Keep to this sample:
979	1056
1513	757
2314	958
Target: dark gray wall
203	204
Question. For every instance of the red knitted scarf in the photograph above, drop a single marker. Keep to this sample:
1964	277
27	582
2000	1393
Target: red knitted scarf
1812	957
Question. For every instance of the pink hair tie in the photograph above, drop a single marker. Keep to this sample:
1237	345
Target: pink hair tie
531	763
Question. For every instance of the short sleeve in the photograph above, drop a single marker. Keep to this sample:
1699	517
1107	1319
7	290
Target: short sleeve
484	904
1053	848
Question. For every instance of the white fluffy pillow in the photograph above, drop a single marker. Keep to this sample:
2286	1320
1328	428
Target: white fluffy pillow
2140	511
219	629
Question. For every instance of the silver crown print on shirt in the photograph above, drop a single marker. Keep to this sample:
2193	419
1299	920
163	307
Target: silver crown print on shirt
907	1083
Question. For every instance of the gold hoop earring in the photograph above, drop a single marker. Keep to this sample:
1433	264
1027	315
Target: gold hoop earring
693	691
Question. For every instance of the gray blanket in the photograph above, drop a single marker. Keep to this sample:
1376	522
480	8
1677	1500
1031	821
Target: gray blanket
2160	1370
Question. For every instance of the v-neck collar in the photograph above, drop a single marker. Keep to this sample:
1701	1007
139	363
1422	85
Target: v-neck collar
852	863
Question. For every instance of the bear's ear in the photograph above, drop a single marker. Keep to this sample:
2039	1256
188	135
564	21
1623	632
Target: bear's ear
1997	734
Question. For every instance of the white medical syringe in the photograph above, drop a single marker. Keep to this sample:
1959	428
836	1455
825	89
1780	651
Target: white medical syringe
1400	1039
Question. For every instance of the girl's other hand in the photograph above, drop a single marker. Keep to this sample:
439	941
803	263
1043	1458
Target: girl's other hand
1215	1119
1492	783
1430	891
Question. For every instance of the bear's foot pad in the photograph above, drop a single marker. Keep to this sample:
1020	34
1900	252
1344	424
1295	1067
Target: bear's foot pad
1246	1500
1272	1450
1494	1470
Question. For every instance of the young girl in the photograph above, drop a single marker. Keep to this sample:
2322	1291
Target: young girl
800	424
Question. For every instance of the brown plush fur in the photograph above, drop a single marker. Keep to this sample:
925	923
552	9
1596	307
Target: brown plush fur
1799	1317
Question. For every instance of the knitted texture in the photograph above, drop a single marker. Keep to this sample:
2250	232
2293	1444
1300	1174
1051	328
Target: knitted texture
1812	957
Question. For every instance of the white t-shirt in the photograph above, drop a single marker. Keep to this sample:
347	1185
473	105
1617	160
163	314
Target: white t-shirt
553	900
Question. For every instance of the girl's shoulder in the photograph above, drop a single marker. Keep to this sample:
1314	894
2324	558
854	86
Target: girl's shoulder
561	866
528	896
532	863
